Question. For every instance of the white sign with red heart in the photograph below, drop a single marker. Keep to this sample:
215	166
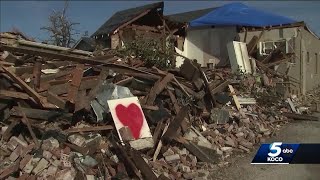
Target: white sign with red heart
128	112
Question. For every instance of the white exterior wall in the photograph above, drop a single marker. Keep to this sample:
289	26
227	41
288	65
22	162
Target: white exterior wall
208	43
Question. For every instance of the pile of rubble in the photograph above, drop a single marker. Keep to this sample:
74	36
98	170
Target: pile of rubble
58	119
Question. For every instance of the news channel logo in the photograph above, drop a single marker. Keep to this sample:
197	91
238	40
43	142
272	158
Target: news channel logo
276	149
275	153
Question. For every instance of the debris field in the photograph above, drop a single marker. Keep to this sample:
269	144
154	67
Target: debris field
70	114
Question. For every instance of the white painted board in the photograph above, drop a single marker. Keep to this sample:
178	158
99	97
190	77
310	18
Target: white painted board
238	56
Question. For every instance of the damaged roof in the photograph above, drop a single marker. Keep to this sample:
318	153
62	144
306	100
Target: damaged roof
239	14
90	42
87	40
124	16
189	16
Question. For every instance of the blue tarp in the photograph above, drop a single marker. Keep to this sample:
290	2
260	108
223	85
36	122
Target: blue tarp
238	14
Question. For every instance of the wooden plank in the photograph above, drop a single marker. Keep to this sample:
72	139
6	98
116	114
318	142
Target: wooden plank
220	87
242	100
159	146
300	116
39	99
148	107
92	94
82	150
184	88
175	124
195	150
25	121
39	114
36	75
127	160
51	54
163	177
174	101
206	82
75	83
124	81
142	165
253	42
130	21
63	88
292	105
56	100
158	88
234	96
14	94
278	62
59	74
89	129
7	134
53	47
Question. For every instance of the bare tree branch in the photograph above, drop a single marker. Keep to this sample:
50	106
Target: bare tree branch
60	28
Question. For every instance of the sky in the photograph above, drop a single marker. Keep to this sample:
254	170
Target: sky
29	16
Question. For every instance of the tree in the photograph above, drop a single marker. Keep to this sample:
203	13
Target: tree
61	28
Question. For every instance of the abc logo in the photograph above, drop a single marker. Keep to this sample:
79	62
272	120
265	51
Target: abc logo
287	151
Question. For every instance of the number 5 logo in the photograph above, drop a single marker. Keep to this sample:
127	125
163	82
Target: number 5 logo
275	149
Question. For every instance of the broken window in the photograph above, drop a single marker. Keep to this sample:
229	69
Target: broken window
265	48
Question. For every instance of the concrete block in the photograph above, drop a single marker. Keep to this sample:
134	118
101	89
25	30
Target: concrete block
25	160
15	154
185	169
47	155
190	175
52	170
169	152
41	166
30	165
172	158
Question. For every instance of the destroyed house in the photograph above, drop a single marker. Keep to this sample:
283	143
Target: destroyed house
206	34
85	44
124	26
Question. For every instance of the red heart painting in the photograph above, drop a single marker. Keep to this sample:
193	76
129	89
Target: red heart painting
132	117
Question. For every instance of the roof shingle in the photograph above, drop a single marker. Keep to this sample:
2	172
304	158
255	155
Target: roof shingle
124	16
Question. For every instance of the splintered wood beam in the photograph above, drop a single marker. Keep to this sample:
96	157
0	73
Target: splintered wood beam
278	62
220	87
89	129
174	101
206	82
127	160
52	54
158	88
7	134
38	98
55	99
14	94
132	20
159	146
142	165
175	124
75	83
234	96
253	42
36	75
300	116
25	121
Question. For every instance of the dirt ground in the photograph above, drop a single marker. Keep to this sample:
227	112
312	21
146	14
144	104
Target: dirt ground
295	132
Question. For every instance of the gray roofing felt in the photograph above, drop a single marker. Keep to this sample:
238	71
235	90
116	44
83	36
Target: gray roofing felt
124	16
187	17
